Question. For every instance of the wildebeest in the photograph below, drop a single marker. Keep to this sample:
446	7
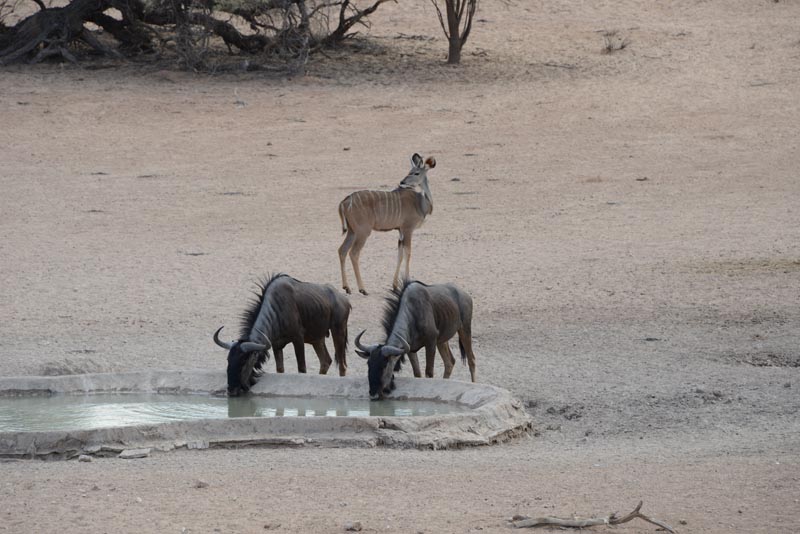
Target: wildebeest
416	316
403	209
285	311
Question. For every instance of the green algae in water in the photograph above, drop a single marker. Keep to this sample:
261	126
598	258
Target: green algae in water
88	412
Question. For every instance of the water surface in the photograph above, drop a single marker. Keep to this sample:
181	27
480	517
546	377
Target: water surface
87	412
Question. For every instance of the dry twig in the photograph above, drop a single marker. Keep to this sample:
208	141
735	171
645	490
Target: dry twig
612	519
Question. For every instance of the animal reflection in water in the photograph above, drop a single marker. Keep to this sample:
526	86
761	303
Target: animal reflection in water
259	406
248	407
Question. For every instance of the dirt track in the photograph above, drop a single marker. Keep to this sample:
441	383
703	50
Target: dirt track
627	224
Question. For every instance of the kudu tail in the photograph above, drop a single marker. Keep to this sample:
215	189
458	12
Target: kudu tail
463	351
342	217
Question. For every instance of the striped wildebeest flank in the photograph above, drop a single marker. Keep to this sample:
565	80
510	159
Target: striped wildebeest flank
285	311
404	209
419	316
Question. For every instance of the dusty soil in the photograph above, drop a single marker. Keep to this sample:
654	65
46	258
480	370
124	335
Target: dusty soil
627	224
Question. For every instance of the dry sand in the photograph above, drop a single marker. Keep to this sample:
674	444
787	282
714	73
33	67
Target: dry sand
628	225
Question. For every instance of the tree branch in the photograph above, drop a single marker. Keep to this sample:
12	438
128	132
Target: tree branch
441	18
611	519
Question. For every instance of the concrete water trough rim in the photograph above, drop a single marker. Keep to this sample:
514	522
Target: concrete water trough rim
494	415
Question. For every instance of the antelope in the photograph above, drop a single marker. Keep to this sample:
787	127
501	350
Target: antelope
286	311
404	209
419	316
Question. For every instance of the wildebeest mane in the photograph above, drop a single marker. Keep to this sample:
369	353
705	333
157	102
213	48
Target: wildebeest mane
391	309
391	306
250	314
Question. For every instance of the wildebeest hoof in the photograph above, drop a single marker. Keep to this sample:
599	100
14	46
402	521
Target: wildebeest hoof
363	291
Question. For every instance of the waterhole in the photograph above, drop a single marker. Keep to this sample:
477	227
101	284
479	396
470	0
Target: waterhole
65	416
89	412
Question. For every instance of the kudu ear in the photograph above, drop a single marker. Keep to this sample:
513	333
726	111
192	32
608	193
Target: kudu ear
416	160
430	162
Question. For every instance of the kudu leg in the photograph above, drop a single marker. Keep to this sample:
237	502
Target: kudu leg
355	253
447	357
279	360
412	357
407	248
347	244
300	354
323	356
400	249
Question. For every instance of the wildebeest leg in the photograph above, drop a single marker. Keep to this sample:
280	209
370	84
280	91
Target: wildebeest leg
340	348
323	355
278	359
300	354
430	356
355	252
447	357
347	244
465	344
412	357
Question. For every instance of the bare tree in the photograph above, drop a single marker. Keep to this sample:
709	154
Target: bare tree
459	23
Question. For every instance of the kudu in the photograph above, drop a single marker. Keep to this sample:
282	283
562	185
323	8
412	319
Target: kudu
404	209
286	311
416	316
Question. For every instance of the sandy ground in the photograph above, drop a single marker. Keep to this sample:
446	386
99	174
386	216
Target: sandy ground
627	224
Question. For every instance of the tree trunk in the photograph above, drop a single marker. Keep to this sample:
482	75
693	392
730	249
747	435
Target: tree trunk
454	52
453	23
49	32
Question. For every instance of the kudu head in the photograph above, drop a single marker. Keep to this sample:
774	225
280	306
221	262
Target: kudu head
244	363
382	361
418	175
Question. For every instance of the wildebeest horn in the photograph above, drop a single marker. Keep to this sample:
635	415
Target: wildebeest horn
224	345
362	348
392	351
408	347
249	346
395	351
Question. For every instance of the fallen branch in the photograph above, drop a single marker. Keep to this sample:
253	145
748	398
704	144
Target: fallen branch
612	519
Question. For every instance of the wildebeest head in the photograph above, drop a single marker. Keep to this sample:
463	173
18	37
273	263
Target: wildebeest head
245	359
382	361
418	175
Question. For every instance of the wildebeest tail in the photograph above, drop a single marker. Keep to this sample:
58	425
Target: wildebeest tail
343	356
463	351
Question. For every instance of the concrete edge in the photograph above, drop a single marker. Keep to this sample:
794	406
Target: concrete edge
495	416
